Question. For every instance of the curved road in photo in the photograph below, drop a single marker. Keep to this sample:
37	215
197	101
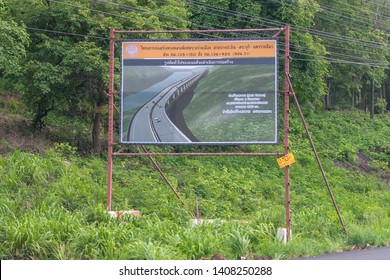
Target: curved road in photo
151	123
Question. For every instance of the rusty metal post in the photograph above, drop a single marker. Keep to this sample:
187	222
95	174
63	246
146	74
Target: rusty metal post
207	154
201	30
196	209
287	127
110	120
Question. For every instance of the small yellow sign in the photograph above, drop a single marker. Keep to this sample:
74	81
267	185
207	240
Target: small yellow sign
286	160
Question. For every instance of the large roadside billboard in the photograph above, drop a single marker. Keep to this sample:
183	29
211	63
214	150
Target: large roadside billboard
199	92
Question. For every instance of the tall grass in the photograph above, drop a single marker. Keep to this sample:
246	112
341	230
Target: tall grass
239	244
52	206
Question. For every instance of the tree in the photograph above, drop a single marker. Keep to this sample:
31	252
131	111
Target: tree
307	74
88	81
309	68
66	67
357	44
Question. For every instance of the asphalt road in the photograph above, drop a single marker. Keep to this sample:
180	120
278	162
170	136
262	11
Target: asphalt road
152	118
151	123
152	115
382	253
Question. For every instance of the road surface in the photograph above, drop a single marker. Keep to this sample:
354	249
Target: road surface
151	123
381	253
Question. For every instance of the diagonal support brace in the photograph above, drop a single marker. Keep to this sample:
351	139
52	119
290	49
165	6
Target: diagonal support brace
163	175
315	152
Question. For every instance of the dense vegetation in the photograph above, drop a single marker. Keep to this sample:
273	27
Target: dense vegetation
53	84
339	49
53	203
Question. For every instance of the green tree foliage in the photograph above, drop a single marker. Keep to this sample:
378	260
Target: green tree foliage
13	42
338	48
358	49
222	14
307	76
66	67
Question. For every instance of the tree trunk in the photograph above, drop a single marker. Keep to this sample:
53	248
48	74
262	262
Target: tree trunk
42	112
96	139
381	91
363	96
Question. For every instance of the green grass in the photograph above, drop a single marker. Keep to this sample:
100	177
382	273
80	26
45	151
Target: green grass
52	205
204	114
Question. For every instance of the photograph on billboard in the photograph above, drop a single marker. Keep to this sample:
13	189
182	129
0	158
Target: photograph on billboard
199	92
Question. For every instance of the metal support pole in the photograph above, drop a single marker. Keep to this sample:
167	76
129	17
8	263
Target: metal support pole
200	30
207	154
287	127
110	120
196	209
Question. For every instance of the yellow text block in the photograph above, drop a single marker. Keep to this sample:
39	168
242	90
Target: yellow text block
286	160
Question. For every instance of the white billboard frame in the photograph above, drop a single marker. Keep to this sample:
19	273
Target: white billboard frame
149	122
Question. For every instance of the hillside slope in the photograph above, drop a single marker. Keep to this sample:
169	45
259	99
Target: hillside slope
52	203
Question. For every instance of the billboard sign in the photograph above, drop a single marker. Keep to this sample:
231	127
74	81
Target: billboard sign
199	92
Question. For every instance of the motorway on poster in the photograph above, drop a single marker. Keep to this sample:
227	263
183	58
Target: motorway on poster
199	92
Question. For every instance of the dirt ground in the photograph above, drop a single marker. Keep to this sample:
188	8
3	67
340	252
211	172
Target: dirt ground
16	133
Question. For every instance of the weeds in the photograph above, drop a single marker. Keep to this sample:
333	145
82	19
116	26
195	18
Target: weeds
52	205
239	244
